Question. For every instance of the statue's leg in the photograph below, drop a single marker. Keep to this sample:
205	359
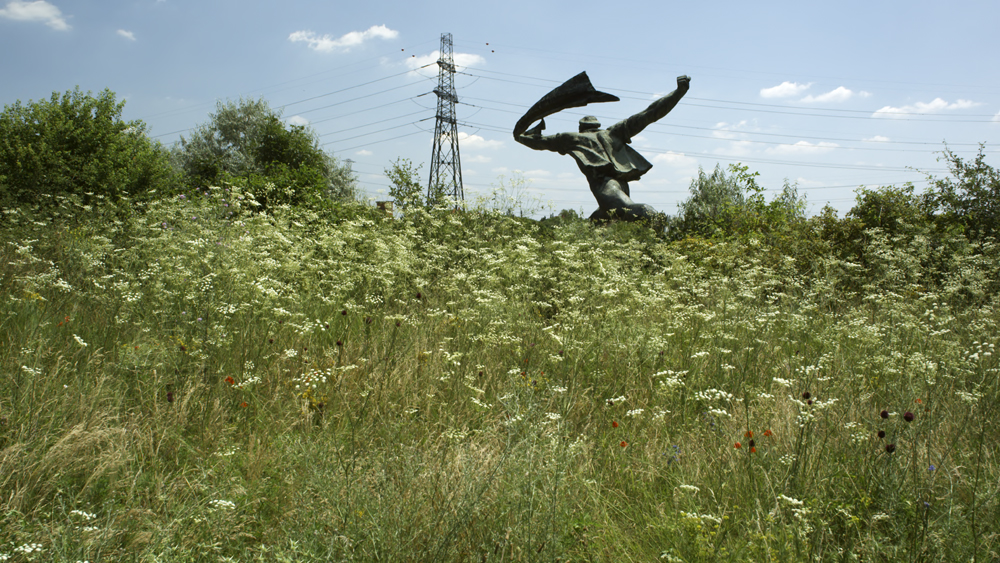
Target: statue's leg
613	198
609	194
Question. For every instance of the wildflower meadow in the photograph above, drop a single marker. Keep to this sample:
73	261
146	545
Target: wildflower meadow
190	378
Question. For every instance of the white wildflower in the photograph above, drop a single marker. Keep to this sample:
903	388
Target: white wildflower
553	415
82	514
634	412
969	398
714	395
247	383
790	500
222	505
28	548
688	488
80	341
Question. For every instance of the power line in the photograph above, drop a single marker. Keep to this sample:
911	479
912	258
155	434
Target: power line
373	132
322	107
324	120
616	62
800	112
356	127
352	88
383	140
657	126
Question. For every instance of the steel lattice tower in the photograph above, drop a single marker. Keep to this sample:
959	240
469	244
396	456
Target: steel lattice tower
446	166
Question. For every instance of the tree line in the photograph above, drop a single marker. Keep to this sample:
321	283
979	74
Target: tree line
77	145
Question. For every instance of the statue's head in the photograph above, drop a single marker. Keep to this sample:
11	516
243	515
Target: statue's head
589	123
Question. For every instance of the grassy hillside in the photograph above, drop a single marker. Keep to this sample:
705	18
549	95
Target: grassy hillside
198	382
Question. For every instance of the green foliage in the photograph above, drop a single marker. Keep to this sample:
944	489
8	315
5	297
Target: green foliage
969	198
77	145
734	206
405	190
715	200
246	143
891	209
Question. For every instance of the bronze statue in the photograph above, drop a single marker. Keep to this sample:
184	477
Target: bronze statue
603	155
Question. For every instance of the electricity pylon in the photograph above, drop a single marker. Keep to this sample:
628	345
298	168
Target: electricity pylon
446	166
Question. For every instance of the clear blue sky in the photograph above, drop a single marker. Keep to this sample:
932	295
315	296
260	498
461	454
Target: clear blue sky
829	95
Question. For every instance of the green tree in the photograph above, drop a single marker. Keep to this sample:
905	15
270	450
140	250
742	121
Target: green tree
894	210
969	198
246	142
714	199
734	205
405	190
77	144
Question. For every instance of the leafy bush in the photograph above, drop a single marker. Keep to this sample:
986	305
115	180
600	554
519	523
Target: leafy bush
405	191
76	144
969	198
246	143
734	206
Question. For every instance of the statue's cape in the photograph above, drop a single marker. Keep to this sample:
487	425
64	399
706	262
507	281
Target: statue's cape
575	92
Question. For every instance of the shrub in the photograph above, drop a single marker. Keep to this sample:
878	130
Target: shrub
76	144
246	143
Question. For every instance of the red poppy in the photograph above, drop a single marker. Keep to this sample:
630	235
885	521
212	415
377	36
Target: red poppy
614	424
624	443
244	405
738	445
753	450
768	433
230	380
748	434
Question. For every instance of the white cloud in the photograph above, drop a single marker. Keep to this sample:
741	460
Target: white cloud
839	94
126	34
478	159
725	130
784	90
344	43
803	147
736	148
996	118
364	152
537	174
467	141
937	105
39	10
677	159
876	139
462	60
297	120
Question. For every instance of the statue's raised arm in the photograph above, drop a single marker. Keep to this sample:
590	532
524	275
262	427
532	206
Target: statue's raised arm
632	126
